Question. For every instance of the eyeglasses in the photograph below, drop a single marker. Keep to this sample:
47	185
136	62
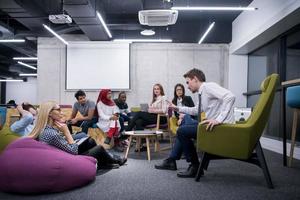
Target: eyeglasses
58	109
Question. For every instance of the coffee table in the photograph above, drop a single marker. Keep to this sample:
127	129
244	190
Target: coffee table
144	134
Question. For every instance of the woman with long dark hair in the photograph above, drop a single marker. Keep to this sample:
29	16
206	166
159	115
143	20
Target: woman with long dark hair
180	99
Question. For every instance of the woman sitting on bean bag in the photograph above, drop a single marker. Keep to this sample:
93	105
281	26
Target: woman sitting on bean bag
50	129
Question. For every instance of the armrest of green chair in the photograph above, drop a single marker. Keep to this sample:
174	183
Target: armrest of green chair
227	140
135	109
173	125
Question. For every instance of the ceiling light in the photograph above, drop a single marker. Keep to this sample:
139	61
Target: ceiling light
11	80
25	58
26	65
27	74
215	8
142	40
147	32
12	40
206	32
104	25
55	34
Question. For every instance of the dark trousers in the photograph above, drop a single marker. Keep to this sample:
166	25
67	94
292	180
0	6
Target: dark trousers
123	118
85	125
184	143
142	119
90	148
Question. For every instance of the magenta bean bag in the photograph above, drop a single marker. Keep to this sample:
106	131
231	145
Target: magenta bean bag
28	166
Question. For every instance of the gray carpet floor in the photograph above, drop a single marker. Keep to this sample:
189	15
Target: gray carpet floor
225	179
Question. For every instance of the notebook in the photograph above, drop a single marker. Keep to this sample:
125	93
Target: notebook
81	140
144	107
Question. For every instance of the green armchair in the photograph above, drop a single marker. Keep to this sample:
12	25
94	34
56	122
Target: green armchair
240	141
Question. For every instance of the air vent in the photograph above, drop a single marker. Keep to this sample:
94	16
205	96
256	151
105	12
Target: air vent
158	17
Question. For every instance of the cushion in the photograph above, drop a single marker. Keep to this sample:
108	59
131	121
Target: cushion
292	96
7	137
28	166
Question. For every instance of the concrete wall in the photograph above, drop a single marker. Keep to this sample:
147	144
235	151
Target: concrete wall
22	91
238	70
251	30
150	64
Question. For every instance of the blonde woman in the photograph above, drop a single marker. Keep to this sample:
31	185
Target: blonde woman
51	129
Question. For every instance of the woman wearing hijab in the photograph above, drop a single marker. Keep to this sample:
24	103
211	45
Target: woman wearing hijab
108	113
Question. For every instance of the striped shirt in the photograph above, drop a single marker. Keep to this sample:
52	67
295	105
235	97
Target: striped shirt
52	137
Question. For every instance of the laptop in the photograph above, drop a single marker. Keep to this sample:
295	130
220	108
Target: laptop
144	107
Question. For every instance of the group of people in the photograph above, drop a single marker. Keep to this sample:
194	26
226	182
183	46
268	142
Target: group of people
109	115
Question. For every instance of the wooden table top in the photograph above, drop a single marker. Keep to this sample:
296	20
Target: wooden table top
290	82
144	133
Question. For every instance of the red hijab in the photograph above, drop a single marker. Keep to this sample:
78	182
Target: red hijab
103	97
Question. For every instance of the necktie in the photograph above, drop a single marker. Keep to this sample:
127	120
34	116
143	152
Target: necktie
199	108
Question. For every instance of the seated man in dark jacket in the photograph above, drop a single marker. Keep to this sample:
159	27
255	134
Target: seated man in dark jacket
124	112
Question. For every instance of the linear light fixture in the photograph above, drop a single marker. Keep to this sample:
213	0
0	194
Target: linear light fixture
142	40
26	65
55	34
27	74
25	58
206	32
11	80
104	25
12	40
213	8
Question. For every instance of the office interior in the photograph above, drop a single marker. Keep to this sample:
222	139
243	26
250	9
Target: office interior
235	48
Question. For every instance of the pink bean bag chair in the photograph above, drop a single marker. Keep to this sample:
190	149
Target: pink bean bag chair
28	166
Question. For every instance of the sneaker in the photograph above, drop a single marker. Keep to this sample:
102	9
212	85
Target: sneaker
168	164
107	140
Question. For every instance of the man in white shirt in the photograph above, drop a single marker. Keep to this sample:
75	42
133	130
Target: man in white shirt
216	102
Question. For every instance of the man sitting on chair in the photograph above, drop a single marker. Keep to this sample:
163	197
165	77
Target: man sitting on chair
86	108
216	102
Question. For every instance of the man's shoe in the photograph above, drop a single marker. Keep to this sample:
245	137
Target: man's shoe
168	164
190	172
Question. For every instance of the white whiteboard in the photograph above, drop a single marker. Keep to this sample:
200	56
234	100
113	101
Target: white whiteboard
96	65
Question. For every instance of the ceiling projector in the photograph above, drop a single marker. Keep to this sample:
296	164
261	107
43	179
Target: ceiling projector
60	19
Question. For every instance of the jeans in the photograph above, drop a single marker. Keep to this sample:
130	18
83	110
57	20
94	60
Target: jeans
186	133
85	125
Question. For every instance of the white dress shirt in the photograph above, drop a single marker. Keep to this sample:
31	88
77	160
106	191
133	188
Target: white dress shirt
216	102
